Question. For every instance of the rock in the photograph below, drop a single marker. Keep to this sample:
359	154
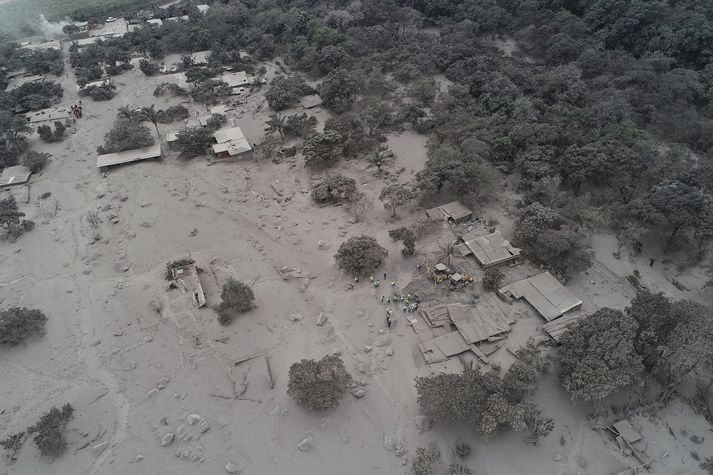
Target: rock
306	444
167	439
324	245
193	233
337	351
139	458
557	457
146	224
145	204
321	319
99	448
363	382
389	352
151	394
163	381
358	392
295	317
361	367
382	340
230	467
368	348
351	220
193	418
423	423
123	197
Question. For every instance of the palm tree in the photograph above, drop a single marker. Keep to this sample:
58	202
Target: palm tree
276	123
150	114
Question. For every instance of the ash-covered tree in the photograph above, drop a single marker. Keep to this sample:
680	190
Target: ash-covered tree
149	68
12	222
597	355
673	337
13	140
210	91
194	140
338	90
319	384
50	430
126	135
564	252
35	161
408	236
628	234
535	423
492	277
474	399
359	255
674	205
334	189
18	323
534	220
396	195
322	150
285	92
237	298
48	135
300	125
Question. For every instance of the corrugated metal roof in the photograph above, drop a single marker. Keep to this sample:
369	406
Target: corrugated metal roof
227	134
545	293
144	153
15	175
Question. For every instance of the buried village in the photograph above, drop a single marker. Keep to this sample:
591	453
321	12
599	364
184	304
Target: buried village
329	237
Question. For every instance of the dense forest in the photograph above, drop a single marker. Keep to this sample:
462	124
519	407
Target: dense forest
604	114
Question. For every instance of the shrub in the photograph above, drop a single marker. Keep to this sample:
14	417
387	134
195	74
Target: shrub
173	114
35	161
17	323
13	444
11	220
50	431
360	254
170	88
334	189
237	298
424	460
408	236
458	469
105	92
216	121
492	279
318	384
463	450
148	68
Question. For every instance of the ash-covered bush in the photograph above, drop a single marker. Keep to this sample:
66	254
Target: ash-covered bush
50	431
237	298
318	384
17	323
